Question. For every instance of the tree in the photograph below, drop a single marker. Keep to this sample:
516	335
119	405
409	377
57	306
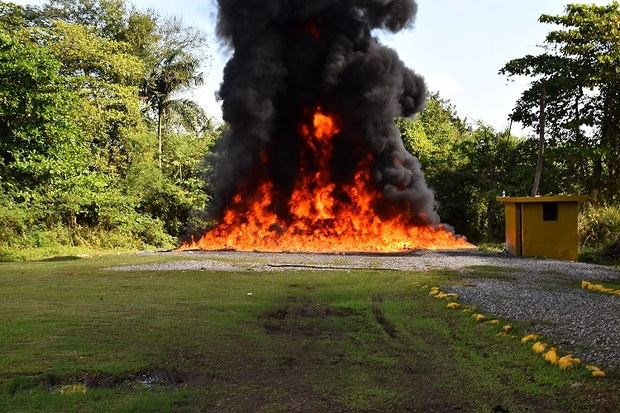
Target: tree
77	144
106	77
34	113
106	17
579	72
434	135
14	18
187	116
467	167
177	71
43	159
175	68
541	144
170	53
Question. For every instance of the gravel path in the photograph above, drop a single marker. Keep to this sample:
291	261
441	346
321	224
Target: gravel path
419	260
541	292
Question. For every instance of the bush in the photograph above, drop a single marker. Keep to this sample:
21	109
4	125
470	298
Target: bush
110	224
599	227
15	222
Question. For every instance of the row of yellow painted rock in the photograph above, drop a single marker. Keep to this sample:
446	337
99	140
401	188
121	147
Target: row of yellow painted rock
436	293
599	288
550	353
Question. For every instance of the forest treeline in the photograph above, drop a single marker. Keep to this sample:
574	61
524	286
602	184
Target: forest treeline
98	147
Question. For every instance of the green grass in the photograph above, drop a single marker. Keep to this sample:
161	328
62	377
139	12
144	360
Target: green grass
599	256
492	247
309	341
55	253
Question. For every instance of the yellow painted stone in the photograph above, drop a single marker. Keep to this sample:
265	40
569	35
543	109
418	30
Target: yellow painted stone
539	347
552	356
567	362
529	337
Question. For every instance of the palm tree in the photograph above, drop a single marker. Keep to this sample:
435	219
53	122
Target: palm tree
177	71
187	116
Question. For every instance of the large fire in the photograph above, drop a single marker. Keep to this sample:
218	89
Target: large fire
322	216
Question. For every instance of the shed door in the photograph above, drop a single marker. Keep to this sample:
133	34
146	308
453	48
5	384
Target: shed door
519	229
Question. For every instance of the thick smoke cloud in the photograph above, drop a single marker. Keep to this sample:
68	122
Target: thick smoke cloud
290	56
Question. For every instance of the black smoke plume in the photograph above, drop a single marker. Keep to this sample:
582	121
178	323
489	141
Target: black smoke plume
292	56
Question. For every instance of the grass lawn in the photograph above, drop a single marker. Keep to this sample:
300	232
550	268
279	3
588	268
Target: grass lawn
273	342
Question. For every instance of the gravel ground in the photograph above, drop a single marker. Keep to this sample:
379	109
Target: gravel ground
541	292
419	260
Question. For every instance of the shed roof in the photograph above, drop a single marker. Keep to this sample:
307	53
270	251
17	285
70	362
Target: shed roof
542	199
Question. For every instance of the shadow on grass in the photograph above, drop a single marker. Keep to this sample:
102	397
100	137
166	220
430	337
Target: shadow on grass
65	258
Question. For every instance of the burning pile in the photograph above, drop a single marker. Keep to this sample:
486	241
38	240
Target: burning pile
313	160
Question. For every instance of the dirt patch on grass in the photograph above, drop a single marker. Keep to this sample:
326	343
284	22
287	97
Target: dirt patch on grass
292	318
305	287
155	377
311	310
604	399
97	380
385	324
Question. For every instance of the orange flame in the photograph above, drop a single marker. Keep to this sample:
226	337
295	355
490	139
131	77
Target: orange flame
324	217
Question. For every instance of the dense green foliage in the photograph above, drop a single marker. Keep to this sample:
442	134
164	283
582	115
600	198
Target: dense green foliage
579	75
579	72
600	226
468	167
99	148
79	151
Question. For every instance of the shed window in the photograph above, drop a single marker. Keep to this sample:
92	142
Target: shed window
550	211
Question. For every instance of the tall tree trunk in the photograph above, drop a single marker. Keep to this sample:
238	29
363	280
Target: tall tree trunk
160	114
605	143
581	167
541	144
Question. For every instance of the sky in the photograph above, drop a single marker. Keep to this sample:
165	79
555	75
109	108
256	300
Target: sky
458	46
